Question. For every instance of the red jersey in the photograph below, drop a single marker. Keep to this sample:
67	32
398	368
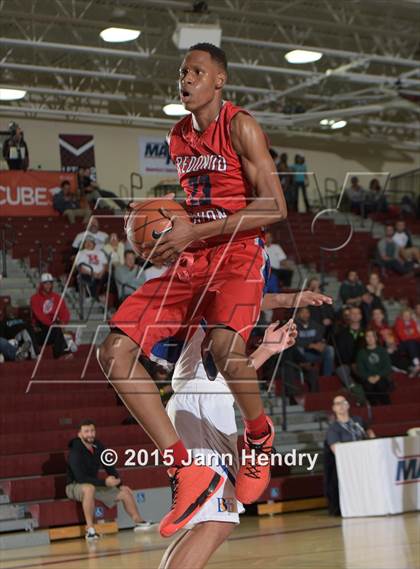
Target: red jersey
209	169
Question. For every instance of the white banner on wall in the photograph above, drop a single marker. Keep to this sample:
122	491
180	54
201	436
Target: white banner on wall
379	477
154	156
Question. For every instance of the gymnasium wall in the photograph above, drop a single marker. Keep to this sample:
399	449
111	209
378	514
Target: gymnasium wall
117	152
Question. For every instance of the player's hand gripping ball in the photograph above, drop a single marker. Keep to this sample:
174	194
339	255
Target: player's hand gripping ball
145	224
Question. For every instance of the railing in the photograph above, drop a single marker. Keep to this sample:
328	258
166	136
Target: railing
136	183
44	262
8	239
406	183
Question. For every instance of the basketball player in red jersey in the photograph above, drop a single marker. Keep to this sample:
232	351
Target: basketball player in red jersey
219	261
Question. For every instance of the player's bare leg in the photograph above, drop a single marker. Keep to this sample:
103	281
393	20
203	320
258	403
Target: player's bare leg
229	354
193	549
118	357
192	485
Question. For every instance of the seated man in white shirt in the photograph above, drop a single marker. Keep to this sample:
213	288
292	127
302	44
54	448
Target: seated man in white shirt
403	239
93	230
92	265
281	267
203	414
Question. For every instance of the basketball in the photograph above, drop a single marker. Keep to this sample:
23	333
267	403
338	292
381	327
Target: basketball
146	223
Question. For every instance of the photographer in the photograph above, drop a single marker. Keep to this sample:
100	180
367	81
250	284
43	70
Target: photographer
15	149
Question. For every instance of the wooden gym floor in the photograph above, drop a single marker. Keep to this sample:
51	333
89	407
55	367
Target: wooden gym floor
306	540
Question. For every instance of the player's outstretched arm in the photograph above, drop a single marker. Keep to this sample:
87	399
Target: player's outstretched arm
276	339
294	299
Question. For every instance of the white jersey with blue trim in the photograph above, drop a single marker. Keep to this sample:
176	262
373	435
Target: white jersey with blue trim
189	373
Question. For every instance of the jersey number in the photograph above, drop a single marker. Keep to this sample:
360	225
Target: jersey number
200	186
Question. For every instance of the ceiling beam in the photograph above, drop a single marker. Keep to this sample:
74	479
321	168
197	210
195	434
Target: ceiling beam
326	51
90	50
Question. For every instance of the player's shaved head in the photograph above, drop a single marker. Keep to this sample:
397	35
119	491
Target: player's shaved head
217	55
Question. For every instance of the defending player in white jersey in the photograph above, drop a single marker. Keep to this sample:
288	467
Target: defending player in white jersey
207	426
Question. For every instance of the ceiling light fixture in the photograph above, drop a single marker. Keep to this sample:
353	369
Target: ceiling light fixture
299	56
11	94
119	35
338	124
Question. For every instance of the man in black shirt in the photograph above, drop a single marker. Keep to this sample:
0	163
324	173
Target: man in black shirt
83	484
311	344
343	429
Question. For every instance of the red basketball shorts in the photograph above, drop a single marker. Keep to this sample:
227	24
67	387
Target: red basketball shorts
221	285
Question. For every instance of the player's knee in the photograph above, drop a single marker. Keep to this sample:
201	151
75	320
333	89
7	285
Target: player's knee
104	353
110	350
88	490
217	532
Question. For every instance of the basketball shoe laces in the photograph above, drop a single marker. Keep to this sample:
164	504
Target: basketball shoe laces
174	487
254	470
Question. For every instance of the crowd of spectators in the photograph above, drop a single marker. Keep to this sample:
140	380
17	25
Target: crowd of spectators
351	338
395	251
80	203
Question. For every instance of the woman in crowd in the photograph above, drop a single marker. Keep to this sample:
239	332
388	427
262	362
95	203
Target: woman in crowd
408	335
374	369
114	248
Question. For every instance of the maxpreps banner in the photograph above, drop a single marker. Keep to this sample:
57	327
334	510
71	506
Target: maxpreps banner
379	477
30	192
154	156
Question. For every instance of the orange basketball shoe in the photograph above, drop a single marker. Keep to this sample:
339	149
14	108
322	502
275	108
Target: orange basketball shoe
192	486
253	478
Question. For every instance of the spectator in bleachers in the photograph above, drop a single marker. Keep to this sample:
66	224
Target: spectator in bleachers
11	351
12	327
311	343
408	335
300	181
84	485
15	149
66	203
403	239
348	341
49	312
323	314
92	265
129	276
356	194
114	248
400	361
376	199
417	315
281	267
379	324
353	292
374	369
389	253
375	286
286	180
93	230
90	190
343	429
